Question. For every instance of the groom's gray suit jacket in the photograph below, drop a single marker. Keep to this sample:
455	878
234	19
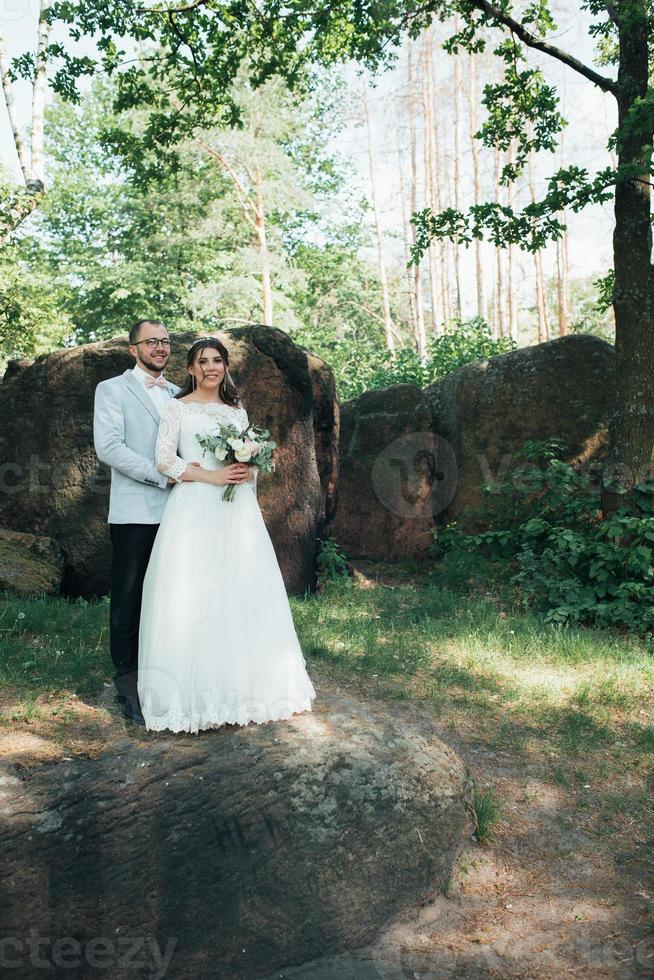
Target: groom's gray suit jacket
125	426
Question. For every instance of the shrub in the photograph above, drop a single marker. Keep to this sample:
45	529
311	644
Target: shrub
331	563
550	544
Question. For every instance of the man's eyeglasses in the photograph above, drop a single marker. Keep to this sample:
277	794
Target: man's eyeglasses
153	343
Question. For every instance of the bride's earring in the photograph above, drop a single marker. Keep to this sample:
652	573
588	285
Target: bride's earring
193	382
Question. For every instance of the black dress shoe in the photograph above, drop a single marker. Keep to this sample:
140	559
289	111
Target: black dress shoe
132	710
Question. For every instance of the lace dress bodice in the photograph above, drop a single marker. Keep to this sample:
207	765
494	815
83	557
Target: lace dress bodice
181	422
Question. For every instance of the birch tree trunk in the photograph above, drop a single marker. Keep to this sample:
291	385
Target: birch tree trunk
38	93
27	197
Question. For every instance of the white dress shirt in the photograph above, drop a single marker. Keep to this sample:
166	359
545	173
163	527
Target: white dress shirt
159	395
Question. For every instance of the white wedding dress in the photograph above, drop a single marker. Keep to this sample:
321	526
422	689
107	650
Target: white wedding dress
217	643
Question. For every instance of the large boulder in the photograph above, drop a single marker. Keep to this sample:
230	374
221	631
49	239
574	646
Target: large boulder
390	474
411	460
235	853
30	565
488	409
51	482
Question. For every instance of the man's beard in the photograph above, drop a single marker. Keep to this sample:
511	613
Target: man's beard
153	367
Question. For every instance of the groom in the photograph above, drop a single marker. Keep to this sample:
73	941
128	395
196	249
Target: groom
125	425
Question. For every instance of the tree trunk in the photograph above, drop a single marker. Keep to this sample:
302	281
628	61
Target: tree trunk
260	222
386	304
24	200
420	339
631	428
561	286
11	113
542	306
406	236
499	329
512	298
38	94
566	278
476	184
457	168
431	177
254	212
440	180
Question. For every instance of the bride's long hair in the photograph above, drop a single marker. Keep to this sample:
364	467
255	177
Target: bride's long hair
226	389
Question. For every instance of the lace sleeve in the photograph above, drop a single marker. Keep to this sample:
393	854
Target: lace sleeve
165	453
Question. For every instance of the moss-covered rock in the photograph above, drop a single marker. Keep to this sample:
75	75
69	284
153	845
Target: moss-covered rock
30	565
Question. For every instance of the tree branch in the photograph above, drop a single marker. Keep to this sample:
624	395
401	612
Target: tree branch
11	112
173	10
18	208
532	41
249	208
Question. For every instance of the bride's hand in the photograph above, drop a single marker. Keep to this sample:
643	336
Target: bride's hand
233	473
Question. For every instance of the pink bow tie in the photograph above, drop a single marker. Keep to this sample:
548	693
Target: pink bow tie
159	382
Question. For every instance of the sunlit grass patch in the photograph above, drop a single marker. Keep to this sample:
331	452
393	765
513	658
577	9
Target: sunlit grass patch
617	688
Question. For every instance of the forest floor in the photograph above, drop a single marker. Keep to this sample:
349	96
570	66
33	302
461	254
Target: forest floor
558	723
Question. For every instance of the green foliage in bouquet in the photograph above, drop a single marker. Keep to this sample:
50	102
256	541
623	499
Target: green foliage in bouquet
230	444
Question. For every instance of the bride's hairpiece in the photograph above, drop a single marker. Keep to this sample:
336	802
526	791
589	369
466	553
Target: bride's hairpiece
201	340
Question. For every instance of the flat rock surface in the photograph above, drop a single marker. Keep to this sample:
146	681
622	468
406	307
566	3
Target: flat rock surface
249	848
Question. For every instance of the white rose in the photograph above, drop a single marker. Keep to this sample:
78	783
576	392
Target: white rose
236	443
242	455
251	434
219	453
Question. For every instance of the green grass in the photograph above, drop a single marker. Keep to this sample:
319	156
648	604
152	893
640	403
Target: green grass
49	645
569	700
487	811
575	702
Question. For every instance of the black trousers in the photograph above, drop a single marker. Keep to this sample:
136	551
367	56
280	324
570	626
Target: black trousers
132	544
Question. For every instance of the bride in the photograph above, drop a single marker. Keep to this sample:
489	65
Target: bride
217	643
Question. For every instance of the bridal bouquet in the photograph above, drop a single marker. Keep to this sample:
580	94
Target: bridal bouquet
251	445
